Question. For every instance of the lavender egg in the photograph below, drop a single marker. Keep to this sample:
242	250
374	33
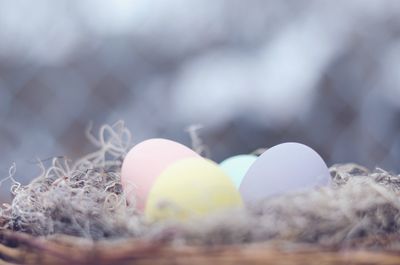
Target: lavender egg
287	167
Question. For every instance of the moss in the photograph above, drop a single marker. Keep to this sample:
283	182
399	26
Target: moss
85	199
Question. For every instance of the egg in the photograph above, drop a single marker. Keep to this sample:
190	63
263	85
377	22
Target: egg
236	167
288	167
145	162
190	188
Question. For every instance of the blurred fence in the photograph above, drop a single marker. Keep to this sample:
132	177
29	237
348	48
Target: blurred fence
254	73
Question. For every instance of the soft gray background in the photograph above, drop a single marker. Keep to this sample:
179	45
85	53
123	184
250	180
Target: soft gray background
255	73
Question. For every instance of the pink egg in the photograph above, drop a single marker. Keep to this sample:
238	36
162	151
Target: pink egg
145	162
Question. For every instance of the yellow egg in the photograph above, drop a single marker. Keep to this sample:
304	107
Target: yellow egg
191	187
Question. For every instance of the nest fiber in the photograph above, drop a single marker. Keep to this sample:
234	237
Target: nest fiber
85	199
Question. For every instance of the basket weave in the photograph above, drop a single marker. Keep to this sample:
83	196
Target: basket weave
19	248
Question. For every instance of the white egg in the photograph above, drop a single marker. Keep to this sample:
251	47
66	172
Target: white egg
288	167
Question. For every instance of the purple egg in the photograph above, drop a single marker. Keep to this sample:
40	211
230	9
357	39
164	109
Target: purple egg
288	167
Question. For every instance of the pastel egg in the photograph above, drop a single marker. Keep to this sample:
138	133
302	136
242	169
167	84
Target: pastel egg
236	167
145	162
288	167
189	188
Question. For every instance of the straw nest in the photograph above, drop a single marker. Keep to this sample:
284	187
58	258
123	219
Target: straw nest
75	212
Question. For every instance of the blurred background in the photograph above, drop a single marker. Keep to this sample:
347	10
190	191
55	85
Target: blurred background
254	73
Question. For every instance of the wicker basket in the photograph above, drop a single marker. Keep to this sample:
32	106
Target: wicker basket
19	248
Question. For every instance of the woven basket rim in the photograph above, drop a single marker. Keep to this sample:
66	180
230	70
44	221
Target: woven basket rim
21	248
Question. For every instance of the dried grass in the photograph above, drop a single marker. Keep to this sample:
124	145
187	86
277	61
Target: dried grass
85	199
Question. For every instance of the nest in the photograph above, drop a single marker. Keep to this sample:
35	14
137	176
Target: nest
76	213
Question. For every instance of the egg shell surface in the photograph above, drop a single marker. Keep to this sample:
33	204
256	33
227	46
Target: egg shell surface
236	167
145	162
288	167
189	188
